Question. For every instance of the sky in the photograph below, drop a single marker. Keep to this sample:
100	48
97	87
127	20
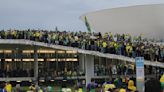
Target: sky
47	14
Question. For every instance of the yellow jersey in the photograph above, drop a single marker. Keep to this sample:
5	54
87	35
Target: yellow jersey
8	87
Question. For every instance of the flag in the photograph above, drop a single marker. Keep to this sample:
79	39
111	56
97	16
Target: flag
87	24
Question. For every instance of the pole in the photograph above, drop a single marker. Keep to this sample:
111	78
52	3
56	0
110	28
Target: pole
156	70
140	73
35	65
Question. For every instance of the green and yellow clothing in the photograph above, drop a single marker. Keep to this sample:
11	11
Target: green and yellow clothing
14	33
162	81
105	35
40	90
37	34
111	35
111	44
80	90
8	87
104	44
98	43
116	46
108	86
162	78
128	49
6	33
122	90
131	86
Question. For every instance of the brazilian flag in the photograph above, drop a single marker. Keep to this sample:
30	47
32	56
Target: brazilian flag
87	25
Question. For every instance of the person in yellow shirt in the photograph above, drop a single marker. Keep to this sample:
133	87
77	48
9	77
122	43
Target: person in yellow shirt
131	86
129	50
122	90
80	89
13	34
162	81
105	35
37	35
109	86
104	45
8	87
111	35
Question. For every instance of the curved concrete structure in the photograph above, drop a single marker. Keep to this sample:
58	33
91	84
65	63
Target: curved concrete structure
135	20
86	52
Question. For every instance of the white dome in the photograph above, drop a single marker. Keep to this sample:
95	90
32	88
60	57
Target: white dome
135	20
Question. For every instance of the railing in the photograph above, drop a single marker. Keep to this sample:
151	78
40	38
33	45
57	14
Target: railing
19	79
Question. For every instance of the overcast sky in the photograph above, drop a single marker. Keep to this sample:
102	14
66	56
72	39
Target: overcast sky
47	14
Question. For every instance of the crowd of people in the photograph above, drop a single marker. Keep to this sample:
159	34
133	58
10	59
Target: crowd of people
120	44
5	87
115	85
121	69
61	73
16	73
124	85
99	70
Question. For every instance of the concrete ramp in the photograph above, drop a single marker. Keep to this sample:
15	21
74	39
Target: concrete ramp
87	52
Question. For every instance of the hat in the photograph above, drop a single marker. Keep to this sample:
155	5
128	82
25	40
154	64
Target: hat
122	90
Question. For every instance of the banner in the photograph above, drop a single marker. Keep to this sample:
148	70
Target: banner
140	73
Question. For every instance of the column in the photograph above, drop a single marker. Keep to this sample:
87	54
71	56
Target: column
36	65
140	76
89	65
82	62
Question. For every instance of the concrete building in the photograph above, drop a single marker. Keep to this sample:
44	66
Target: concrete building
43	62
135	20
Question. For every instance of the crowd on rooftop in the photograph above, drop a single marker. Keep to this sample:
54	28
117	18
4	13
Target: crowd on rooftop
120	44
